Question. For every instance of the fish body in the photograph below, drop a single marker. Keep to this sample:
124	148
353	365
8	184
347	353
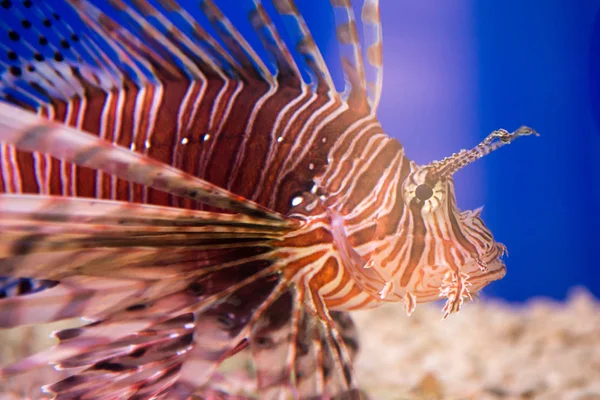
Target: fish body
159	180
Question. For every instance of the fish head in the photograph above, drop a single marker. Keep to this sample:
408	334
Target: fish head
447	244
451	253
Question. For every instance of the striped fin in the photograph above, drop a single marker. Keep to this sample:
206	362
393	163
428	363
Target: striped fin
219	59
143	341
44	58
169	43
172	54
371	21
296	354
29	132
164	318
234	41
167	61
52	56
144	42
148	39
99	365
171	338
196	285
275	347
287	70
12	287
97	211
46	240
237	318
305	44
336	356
160	345
53	300
45	236
115	57
350	53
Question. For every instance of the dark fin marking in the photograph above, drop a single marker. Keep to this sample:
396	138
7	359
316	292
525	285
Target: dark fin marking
305	44
371	21
350	53
287	70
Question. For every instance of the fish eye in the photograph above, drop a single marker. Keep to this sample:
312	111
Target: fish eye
423	192
427	194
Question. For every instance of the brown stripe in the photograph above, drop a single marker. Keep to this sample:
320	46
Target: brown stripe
364	184
460	238
418	244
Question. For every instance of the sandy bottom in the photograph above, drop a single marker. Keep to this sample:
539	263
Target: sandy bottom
490	350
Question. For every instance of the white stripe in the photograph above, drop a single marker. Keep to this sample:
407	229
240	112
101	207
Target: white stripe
65	183
80	119
8	187
42	165
16	172
388	180
294	116
138	110
207	158
39	172
275	134
103	128
151	127
333	168
325	108
47	157
117	136
197	103
358	164
181	127
248	134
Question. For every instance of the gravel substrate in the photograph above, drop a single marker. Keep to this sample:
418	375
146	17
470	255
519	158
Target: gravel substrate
490	350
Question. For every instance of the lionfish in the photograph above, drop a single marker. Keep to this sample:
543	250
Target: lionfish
192	199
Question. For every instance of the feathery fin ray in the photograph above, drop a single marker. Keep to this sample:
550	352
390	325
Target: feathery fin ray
350	53
371	21
29	132
172	292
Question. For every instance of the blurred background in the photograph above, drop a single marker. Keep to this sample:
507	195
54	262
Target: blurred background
455	71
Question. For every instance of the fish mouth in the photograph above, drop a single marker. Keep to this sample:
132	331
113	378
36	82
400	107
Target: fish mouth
477	275
480	277
460	285
487	268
